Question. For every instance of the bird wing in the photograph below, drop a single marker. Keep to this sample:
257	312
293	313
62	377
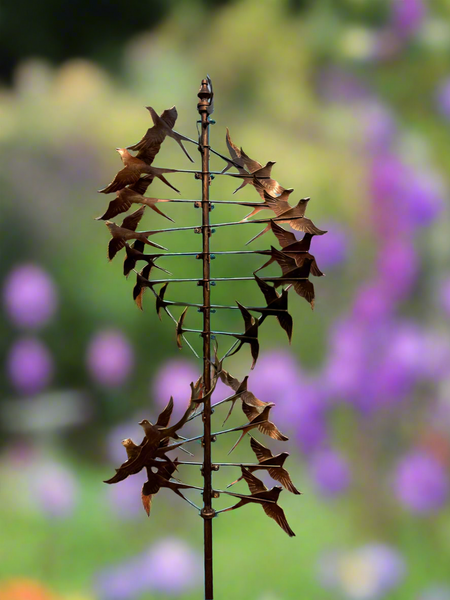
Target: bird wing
285	238
280	474
248	319
305	225
270	294
115	244
115	207
286	263
276	513
251	165
315	269
164	417
286	322
251	412
270	429
169	116
229	380
262	453
141	185
255	485
305	289
132	221
235	153
123	178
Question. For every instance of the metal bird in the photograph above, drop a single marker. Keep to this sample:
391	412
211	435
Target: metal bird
267	498
260	176
299	258
268	461
160	303
295	276
162	126
241	391
127	231
250	335
133	194
296	249
130	174
135	253
261	421
142	283
179	329
277	306
283	197
294	215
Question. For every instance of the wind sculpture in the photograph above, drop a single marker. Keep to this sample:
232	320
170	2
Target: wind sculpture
296	263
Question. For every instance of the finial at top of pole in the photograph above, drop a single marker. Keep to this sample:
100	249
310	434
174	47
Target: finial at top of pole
206	94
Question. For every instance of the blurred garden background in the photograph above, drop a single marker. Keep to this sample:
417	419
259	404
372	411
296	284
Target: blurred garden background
351	98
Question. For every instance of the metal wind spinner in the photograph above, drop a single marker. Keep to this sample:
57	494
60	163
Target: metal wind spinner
130	185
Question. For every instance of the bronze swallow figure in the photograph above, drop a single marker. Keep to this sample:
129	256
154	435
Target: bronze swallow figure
130	174
179	329
294	215
241	391
296	249
133	194
135	253
252	171
300	258
273	464
127	231
261	495
262	423
142	283
283	197
295	276
277	306
250	335
163	125
160	302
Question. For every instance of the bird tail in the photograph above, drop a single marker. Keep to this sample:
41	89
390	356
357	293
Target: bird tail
265	230
242	435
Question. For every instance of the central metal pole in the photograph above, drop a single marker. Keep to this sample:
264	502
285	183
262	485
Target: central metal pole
207	511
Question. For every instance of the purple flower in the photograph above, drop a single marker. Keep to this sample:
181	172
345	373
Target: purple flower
331	249
174	379
407	16
172	567
443	98
30	366
372	302
378	128
330	472
337	85
310	418
54	488
30	296
125	497
398	267
110	358
421	484
367	573
125	581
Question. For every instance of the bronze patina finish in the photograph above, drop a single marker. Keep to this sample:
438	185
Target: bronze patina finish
152	453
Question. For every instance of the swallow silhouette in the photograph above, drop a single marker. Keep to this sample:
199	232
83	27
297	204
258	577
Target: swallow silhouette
135	253
266	498
127	231
130	174
163	126
283	197
262	423
142	283
272	464
294	215
160	302
241	391
250	335
292	273
275	304
300	258
179	329
296	249
133	194
252	171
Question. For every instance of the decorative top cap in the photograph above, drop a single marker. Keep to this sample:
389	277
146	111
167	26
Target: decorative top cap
205	94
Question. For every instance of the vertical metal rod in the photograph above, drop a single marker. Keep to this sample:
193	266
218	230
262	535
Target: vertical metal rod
207	512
